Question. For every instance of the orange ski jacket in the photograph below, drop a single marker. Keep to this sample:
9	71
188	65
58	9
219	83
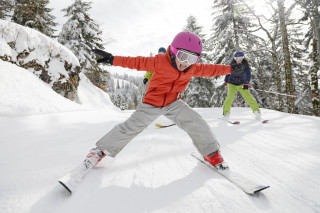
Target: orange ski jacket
167	82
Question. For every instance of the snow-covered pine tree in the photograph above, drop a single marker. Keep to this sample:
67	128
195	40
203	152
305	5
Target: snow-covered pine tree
6	6
311	15
199	90
81	34
125	91
232	30
35	14
300	62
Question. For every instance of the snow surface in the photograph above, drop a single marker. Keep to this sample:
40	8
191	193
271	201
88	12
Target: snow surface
43	136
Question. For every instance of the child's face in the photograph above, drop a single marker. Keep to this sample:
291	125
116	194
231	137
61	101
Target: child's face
181	65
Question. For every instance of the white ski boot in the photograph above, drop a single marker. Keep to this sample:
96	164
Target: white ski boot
72	179
257	115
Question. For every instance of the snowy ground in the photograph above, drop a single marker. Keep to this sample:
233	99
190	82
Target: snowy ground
41	140
155	172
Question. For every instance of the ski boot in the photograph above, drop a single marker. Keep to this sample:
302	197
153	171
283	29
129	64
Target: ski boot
226	116
72	179
216	160
257	115
94	157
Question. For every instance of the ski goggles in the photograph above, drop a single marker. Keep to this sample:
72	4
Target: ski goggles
183	55
240	58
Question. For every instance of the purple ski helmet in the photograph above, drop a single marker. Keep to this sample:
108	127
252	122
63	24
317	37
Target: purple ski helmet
187	41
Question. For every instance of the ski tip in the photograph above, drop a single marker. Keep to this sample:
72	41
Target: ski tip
260	189
64	185
265	121
164	126
236	122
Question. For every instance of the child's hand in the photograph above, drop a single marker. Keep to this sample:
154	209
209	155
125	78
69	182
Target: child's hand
145	80
245	87
106	57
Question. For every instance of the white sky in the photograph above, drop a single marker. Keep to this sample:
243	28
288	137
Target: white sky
141	26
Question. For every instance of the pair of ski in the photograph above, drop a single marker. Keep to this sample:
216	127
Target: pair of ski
72	179
227	120
238	122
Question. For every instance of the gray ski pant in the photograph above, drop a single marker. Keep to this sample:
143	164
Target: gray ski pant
178	111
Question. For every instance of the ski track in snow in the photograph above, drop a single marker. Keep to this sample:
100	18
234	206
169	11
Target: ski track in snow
155	172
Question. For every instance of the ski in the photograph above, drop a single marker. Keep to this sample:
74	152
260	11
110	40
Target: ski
263	121
233	122
164	126
246	185
229	121
73	178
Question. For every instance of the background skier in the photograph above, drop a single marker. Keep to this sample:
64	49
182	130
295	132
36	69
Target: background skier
239	80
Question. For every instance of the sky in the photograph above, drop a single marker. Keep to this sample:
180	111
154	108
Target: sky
140	27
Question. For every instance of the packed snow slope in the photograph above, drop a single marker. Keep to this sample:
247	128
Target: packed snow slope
40	141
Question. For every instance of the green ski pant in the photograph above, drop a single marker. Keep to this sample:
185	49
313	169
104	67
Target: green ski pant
232	89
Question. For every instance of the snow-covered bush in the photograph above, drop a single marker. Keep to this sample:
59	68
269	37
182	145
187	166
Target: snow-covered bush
50	61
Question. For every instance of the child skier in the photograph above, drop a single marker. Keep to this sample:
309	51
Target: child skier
239	80
172	72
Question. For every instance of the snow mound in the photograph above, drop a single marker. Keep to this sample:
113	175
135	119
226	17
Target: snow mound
41	47
43	56
22	93
91	96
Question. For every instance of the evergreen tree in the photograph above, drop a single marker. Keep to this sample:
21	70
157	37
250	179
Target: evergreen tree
199	90
125	91
34	14
232	30
81	34
312	39
300	63
6	6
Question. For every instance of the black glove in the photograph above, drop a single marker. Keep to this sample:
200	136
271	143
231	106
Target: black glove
105	56
238	68
145	80
245	86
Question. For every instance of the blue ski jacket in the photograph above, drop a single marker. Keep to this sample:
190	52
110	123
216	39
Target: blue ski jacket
239	78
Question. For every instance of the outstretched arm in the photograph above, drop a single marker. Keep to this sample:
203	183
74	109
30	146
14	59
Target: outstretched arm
138	63
210	70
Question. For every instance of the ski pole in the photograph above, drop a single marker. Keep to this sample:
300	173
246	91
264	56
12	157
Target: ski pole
277	93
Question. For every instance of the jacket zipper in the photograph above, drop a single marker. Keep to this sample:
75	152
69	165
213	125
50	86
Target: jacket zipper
165	95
